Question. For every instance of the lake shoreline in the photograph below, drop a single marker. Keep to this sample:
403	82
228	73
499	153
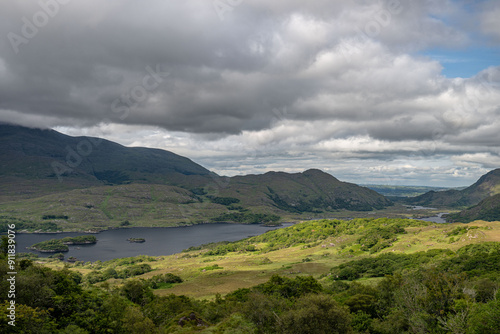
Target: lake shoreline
111	228
159	241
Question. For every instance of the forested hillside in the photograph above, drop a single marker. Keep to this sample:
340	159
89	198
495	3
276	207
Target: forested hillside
328	276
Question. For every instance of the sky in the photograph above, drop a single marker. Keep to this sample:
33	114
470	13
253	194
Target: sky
396	92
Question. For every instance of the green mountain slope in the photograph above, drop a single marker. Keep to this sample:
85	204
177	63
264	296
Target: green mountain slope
36	161
488	210
310	191
112	206
253	198
487	185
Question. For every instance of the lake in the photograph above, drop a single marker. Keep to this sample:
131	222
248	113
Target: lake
113	244
436	219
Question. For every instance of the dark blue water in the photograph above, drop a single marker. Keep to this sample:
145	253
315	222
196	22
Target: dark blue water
113	244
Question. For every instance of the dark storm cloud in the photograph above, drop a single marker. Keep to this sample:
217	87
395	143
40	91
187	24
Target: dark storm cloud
230	74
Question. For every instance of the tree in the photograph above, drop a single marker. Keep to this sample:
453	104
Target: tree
263	311
28	320
362	302
135	322
485	318
137	292
316	314
290	288
4	246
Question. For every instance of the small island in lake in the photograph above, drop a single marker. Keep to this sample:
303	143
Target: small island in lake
61	245
59	256
138	240
81	240
272	224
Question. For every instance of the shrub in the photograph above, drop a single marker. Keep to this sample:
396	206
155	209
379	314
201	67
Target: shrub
164	281
289	288
316	314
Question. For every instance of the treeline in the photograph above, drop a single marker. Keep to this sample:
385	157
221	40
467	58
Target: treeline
246	218
28	225
224	200
221	248
476	260
45	217
386	264
130	271
229	247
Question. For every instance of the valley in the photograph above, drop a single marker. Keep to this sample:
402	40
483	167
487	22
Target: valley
355	249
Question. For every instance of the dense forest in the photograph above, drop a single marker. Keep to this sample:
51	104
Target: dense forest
434	291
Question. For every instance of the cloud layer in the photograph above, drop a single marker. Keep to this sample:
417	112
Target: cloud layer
251	86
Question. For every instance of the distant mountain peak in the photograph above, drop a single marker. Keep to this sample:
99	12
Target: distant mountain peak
487	185
318	172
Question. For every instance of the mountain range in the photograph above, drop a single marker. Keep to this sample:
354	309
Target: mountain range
94	182
45	173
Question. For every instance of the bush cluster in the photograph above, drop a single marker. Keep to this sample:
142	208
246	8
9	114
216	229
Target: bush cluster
130	271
